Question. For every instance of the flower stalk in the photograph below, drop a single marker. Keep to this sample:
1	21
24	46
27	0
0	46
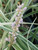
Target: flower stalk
16	24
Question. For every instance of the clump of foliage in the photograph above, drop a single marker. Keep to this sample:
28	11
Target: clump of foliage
11	24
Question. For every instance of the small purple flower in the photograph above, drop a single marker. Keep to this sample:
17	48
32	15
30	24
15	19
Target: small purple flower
18	25
22	4
17	9
17	29
15	38
10	33
14	35
21	15
13	24
18	14
21	20
6	39
24	8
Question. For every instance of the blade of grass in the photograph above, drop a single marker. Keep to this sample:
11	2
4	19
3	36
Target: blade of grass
30	43
29	31
3	16
3	37
17	47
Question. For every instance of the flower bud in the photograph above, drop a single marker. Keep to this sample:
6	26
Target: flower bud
22	4
10	33
24	8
